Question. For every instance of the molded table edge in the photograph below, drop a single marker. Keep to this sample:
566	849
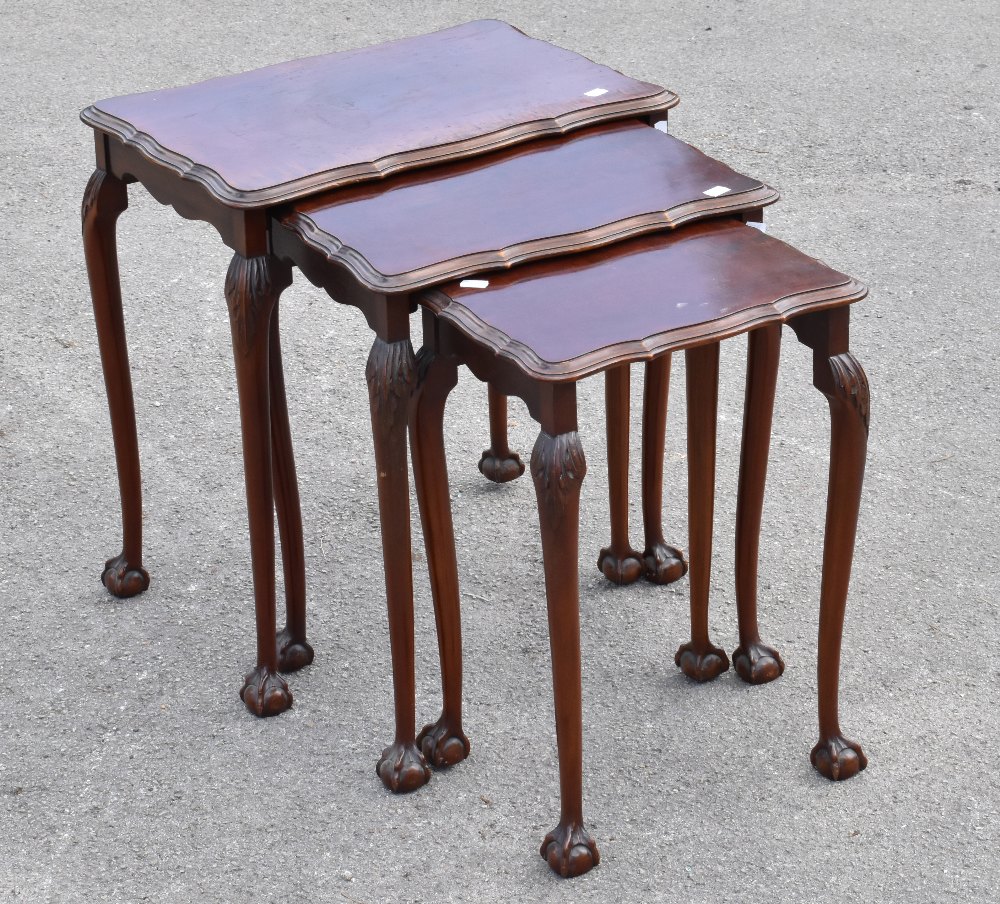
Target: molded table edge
781	310
97	119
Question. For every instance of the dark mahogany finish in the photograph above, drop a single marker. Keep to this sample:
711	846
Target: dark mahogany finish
103	202
303	239
293	129
227	152
550	196
253	286
602	311
754	661
294	651
722	278
700	659
340	243
659	563
499	462
619	563
558	468
391	376
547	197
444	743
842	379
662	563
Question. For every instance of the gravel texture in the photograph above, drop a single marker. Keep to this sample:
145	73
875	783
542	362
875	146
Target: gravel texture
129	769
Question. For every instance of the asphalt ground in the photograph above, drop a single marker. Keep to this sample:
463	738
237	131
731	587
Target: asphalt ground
129	769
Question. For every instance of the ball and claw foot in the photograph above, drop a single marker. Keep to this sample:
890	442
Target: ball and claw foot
758	663
701	664
620	569
442	744
570	851
663	564
122	580
265	693
292	655
402	768
838	759
500	468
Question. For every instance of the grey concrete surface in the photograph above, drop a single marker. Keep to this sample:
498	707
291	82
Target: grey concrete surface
129	770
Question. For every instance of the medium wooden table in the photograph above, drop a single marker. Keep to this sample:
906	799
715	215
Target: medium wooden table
537	330
596	187
231	151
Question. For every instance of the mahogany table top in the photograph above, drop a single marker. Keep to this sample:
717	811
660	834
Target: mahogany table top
284	131
565	318
549	196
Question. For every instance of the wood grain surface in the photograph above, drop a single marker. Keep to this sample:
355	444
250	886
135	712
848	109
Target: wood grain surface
564	318
283	131
550	196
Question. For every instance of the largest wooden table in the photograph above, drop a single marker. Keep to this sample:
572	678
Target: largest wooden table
231	152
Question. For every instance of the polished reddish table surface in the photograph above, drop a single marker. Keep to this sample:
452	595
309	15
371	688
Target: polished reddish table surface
545	197
288	130
570	317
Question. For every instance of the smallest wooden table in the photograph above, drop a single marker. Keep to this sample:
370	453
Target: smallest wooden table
535	332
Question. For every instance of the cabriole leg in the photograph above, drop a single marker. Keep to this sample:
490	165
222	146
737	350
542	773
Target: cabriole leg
662	563
442	743
558	468
253	286
700	659
753	660
499	463
294	651
391	377
103	201
835	756
619	563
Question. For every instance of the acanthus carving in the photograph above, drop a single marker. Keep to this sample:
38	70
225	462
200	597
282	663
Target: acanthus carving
558	467
252	286
391	373
852	383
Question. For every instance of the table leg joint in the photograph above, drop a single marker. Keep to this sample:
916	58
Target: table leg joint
851	385
253	284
